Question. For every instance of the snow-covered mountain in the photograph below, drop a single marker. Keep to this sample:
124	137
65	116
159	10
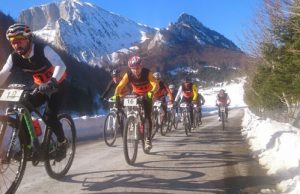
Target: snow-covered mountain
84	30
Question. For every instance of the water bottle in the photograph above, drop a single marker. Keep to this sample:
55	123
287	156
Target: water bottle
37	126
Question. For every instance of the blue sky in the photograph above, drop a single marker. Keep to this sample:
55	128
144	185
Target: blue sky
228	17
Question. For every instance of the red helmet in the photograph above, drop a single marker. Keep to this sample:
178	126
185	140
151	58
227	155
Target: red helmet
134	62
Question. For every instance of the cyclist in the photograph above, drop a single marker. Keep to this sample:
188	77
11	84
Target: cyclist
188	93
47	70
162	92
200	101
116	78
143	84
174	92
223	99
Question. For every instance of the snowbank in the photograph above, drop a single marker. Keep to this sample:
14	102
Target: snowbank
277	148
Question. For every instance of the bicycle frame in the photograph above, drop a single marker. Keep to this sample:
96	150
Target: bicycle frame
20	112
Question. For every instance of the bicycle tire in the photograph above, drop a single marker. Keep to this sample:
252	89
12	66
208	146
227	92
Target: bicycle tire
50	158
164	125
129	134
223	121
155	125
110	136
19	156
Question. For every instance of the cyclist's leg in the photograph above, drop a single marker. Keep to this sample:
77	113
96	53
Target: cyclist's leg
147	105
51	112
226	111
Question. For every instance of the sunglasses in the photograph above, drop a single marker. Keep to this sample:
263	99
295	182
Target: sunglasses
15	39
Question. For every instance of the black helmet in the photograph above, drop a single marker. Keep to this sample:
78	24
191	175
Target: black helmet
115	73
187	80
18	29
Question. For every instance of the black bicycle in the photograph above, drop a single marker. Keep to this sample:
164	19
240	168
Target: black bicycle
114	122
137	128
186	118
19	142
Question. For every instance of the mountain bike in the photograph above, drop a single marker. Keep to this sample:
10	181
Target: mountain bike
197	115
114	122
19	142
160	121
186	118
136	128
172	120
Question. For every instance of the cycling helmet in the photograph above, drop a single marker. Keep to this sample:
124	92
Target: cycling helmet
18	30
134	62
187	80
157	75
171	86
115	73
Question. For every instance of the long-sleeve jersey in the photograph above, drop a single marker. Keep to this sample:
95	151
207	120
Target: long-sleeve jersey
41	72
163	90
141	85
180	93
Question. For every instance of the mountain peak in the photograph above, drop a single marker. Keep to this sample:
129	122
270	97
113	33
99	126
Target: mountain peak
188	19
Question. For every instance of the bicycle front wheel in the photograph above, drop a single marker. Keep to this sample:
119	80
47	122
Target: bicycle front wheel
110	129
130	141
12	156
55	166
223	120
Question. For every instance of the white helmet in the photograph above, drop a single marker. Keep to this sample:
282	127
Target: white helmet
157	75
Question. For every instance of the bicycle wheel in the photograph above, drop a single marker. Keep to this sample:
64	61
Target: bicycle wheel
155	124
186	123
164	124
175	121
12	156
130	140
57	168
223	120
170	121
110	129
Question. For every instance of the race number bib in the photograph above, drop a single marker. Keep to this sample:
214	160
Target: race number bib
157	103
183	105
130	102
12	95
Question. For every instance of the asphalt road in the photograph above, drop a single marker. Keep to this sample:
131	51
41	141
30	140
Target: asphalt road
208	161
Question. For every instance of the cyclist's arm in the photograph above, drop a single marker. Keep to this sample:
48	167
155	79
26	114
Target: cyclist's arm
108	88
121	85
178	94
56	61
194	88
5	72
153	82
202	99
228	100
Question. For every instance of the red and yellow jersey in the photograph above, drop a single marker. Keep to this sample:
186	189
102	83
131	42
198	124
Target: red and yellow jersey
140	85
162	90
189	90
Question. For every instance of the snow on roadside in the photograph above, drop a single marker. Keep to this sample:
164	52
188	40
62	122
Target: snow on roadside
277	148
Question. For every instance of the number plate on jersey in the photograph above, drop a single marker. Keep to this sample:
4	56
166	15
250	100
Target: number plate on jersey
130	102
157	103
183	105
12	95
170	106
